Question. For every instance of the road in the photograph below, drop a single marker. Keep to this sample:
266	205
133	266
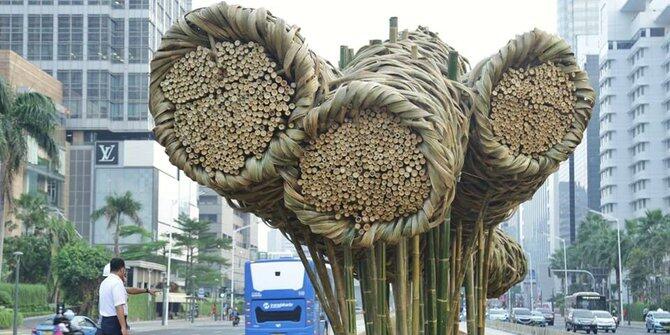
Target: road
635	328
195	329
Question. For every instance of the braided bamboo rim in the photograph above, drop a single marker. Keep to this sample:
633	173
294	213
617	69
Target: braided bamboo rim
492	173
508	265
221	22
358	96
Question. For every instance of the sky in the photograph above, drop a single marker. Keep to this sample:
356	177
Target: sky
475	28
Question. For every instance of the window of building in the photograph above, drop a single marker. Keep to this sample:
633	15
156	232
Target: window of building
70	2
11	2
640	204
11	32
608	208
639	166
638	129
70	37
624	45
118	4
639	148
138	4
138	96
41	2
97	100
212	218
140	31
72	91
98	37
118	40
40	37
116	97
657	32
207	199
99	2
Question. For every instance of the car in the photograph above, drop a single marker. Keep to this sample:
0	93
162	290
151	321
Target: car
497	314
548	315
605	321
581	319
537	319
521	316
658	321
88	326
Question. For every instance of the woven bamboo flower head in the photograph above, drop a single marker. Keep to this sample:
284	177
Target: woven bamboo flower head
384	148
531	108
228	87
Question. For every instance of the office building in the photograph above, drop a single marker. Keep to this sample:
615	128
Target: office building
279	245
634	105
225	221
100	51
39	176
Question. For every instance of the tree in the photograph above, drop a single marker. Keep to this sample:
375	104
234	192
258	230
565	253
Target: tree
79	267
35	262
22	114
33	212
115	208
199	245
147	249
649	240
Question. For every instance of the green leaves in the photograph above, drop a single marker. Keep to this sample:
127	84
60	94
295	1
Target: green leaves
79	268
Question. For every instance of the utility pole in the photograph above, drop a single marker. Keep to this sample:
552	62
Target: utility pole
232	267
17	255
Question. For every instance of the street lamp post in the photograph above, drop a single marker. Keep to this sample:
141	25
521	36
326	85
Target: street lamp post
17	255
232	267
166	298
530	266
618	240
565	267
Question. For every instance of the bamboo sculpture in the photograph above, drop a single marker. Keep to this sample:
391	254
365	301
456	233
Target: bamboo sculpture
394	169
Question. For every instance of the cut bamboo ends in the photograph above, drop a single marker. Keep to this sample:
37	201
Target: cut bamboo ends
210	63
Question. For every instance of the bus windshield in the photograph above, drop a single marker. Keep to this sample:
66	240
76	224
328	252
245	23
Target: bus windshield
280	299
591	301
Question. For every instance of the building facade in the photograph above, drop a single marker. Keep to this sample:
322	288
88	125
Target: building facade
634	107
225	221
100	51
39	176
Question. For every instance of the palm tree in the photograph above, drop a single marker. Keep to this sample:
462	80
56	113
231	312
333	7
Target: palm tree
116	207
23	114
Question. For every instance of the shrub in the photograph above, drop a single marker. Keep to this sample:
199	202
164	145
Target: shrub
6	299
30	295
141	307
7	318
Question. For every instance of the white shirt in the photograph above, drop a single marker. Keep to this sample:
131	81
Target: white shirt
112	293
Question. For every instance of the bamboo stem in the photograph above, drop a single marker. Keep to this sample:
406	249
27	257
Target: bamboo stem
350	311
330	313
339	277
470	297
443	277
416	284
366	284
485	276
322	271
431	292
400	288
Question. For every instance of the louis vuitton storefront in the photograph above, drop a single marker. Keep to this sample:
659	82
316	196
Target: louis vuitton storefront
107	166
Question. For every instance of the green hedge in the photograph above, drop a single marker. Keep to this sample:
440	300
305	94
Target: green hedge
141	307
7	317
30	295
635	311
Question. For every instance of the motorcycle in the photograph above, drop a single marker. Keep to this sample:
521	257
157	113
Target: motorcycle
63	325
236	321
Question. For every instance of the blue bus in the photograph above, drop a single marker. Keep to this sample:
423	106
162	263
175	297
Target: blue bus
280	299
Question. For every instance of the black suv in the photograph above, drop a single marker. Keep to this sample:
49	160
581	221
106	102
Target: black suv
548	315
581	319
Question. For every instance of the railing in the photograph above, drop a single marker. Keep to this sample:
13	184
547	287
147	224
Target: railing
515	328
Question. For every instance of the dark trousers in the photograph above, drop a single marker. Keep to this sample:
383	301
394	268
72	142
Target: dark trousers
109	325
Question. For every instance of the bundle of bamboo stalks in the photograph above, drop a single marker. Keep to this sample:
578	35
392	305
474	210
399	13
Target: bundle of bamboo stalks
366	166
228	87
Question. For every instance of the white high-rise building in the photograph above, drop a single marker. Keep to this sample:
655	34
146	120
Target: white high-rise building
634	107
224	222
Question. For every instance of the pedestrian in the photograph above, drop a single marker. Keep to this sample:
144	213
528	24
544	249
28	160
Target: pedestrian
214	313
113	299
